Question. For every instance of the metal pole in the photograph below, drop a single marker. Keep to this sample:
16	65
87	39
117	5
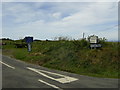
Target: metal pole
29	47
83	35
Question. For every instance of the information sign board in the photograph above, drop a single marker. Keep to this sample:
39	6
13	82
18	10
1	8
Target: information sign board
95	45
93	39
28	39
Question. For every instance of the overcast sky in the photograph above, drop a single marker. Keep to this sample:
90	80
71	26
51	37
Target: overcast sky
46	20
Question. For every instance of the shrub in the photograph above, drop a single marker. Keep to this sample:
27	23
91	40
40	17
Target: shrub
81	44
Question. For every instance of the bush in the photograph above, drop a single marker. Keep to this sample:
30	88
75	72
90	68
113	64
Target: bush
81	44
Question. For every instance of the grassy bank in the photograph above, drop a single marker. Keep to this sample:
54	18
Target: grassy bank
72	56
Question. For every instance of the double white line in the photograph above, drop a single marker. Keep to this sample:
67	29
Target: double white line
64	79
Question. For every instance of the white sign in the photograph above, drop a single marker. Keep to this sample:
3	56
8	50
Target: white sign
93	39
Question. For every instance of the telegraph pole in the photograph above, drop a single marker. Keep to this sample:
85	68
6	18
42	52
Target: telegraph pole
83	35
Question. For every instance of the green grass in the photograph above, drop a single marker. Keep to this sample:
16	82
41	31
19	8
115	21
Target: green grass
70	56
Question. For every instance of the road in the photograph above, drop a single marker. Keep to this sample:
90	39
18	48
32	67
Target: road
19	74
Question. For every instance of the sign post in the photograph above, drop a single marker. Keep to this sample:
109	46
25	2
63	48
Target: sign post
94	42
29	47
29	40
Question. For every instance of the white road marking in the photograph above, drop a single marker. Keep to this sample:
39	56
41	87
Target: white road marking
7	65
65	79
50	84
